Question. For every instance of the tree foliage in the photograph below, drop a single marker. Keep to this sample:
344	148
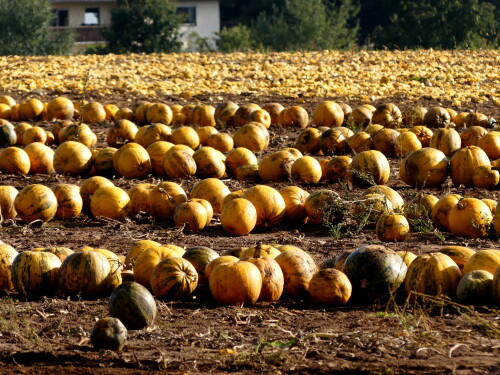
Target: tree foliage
25	29
143	26
308	25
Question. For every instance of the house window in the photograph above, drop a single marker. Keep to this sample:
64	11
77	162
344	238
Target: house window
189	13
91	16
61	17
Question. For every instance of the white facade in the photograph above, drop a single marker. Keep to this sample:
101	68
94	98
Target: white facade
87	16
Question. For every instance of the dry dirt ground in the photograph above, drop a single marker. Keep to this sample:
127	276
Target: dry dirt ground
51	336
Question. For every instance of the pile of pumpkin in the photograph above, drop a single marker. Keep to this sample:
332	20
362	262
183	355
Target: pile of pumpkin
369	274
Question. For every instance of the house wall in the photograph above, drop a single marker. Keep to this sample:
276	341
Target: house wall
207	23
76	12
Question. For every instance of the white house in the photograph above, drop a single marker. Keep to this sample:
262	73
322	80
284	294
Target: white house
86	17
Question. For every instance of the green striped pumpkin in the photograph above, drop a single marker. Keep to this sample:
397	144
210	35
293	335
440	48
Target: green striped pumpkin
36	202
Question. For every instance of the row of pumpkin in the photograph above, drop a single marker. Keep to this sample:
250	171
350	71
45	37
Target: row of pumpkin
258	207
369	274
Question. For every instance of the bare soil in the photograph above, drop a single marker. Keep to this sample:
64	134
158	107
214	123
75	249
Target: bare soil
195	335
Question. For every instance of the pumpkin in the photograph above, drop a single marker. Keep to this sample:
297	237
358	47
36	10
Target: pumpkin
238	217
34	274
414	116
140	110
121	132
440	211
60	252
242	114
89	187
274	109
423	133
34	134
139	198
74	132
7	256
375	272
446	140
486	260
110	110
173	278
224	114
475	288
7	99
324	206
133	304
41	158
432	274
308	141
262	116
159	113
368	210
276	166
19	129
8	135
85	273
360	141
116	265
294	116
470	217
273	280
388	115
328	113
212	190
103	161
217	261
477	119
298	268
492	204
464	162
248	173
208	208
108	333
199	257
14	160
385	141
136	249
35	202
148	134
209	163
407	142
222	142
202	115
392	227
8	196
264	251
337	168
190	214
69	201
269	204
472	135
60	108
490	143
333	142
175	148
295	198
421	208
360	116
124	114
179	165
146	261
330	287
391	194
237	157
253	136
427	167
72	158
156	152
93	113
133	163
485	177
185	135
370	167
437	117
237	283
164	198
30	109
110	202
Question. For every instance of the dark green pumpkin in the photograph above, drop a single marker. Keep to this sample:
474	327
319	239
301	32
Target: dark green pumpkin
375	272
475	288
200	256
8	136
108	333
133	304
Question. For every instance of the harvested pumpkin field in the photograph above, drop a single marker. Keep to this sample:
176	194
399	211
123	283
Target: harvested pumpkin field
359	218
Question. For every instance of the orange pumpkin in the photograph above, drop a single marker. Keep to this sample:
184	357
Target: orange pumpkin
14	160
333	142
392	227
276	166
330	287
30	109
237	157
164	198
72	158
41	158
459	254
34	134
464	162
294	116
191	214
295	199
442	208
217	261
146	262
486	260
470	217
329	114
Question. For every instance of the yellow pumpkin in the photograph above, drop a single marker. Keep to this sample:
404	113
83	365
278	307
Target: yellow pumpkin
110	202
164	198
156	152
133	163
14	160
324	206
204	132
30	109
41	158
136	249
485	177
370	166
470	217
328	113
34	134
185	135
89	187
298	269
190	214
72	158
224	114
173	278
242	114
210	163
463	164
392	227
213	190
139	198
337	168
69	201
294	116
427	167
269	204
360	141
252	136
36	202
8	195
385	141
93	113
146	262
239	156
308	141
472	135
222	142
407	142
179	165
238	217
295	199
446	140
486	260
490	143
459	254
276	166
330	287
159	113
202	115
60	108
7	255
149	134
306	169
442	208
262	116
388	115
121	132
437	117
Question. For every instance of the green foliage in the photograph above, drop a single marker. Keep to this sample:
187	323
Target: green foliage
237	38
308	25
143	26
25	30
443	24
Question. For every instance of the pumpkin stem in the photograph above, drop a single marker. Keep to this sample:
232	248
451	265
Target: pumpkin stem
258	250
